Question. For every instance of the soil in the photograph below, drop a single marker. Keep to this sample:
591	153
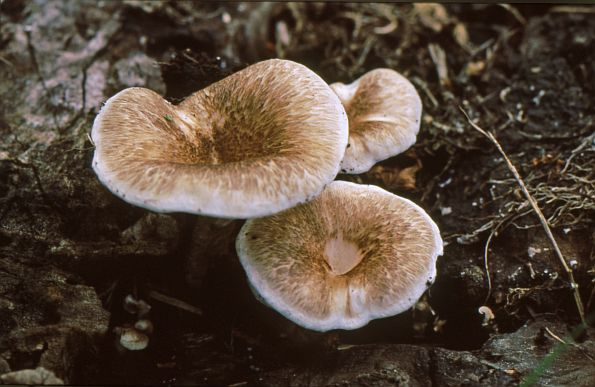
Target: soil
71	253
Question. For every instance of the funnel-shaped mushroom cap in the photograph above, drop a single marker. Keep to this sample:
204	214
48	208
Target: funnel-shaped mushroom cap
262	140
353	254
384	113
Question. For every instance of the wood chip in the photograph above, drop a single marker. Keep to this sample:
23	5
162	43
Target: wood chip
439	58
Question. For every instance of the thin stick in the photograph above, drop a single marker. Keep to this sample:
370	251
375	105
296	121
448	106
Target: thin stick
487	265
535	206
555	336
174	302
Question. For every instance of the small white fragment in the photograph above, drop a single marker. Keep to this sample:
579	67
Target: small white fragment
226	18
503	93
532	251
537	99
446	210
487	313
445	183
518	271
282	33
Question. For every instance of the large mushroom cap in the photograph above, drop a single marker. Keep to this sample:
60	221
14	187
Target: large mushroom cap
257	142
384	113
353	254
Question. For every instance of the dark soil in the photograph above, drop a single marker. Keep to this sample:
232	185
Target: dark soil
70	251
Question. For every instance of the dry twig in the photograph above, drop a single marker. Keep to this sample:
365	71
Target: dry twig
537	210
556	337
174	302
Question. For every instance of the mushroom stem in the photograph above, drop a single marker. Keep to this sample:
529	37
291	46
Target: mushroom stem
341	255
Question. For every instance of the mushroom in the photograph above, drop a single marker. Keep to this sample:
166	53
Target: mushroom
131	338
260	141
144	326
353	254
384	113
135	306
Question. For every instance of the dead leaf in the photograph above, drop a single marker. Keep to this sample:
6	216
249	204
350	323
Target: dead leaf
475	68
397	178
433	16
439	58
461	35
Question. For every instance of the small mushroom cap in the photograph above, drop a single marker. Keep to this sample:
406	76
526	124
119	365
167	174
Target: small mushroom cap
353	254
134	306
144	326
384	113
262	140
133	340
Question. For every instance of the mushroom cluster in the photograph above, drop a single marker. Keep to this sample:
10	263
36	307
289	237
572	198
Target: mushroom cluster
265	144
